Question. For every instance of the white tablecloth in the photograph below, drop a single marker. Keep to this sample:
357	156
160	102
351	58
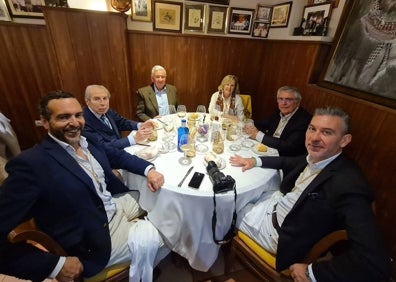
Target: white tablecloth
184	215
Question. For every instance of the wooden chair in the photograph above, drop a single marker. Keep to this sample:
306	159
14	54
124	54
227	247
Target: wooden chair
28	232
247	104
262	263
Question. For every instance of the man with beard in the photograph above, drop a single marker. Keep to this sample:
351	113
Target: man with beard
320	193
66	184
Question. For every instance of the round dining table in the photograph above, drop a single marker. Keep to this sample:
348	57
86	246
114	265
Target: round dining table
183	215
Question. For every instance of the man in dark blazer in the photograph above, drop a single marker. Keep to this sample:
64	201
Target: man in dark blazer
285	130
106	125
66	184
320	193
153	100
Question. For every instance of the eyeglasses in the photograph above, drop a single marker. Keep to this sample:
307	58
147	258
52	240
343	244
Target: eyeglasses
286	100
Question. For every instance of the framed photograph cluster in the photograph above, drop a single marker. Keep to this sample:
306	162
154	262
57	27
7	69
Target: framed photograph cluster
281	14
316	19
240	21
262	21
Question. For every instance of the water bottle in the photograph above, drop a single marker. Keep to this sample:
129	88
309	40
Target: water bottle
182	135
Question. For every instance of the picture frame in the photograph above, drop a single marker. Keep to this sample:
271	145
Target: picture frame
4	15
316	19
281	14
168	16
352	66
194	17
263	13
217	19
56	3
261	29
240	20
141	10
18	10
334	2
219	2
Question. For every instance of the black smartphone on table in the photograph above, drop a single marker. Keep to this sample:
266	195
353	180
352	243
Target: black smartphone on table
196	180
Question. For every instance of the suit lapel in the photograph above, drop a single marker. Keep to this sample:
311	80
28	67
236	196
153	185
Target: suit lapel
153	101
65	160
113	125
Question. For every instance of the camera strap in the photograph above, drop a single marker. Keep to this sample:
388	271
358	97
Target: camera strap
232	231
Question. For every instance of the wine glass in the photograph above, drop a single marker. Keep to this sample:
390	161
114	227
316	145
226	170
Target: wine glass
233	135
181	111
172	109
185	160
201	110
246	142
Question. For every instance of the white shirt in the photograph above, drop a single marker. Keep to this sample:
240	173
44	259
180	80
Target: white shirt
239	108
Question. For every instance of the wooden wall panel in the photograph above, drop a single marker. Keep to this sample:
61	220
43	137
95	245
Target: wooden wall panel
91	48
27	70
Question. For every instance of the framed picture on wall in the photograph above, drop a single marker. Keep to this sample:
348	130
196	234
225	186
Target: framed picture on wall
4	15
360	63
217	19
194	17
281	14
141	10
168	16
316	19
240	20
24	9
263	13
260	29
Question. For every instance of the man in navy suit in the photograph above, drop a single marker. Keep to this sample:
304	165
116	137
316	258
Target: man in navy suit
285	130
67	186
106	125
320	193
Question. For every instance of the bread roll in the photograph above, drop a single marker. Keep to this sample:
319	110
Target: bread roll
261	148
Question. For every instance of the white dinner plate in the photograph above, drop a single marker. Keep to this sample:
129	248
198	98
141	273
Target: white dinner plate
148	153
221	163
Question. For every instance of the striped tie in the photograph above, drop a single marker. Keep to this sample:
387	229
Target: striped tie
105	120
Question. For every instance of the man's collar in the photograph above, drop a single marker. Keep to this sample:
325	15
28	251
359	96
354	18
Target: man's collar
288	115
64	145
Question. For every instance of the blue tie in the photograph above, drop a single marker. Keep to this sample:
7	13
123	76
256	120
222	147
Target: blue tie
105	120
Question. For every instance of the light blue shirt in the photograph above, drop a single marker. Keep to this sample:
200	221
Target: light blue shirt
162	101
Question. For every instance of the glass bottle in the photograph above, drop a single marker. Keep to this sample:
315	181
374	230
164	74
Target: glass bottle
182	135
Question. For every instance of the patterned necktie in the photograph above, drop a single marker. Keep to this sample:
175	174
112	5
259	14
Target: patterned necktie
105	120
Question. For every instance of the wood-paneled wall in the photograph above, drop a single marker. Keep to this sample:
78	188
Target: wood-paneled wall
78	47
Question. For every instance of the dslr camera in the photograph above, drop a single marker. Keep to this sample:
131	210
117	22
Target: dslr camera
221	183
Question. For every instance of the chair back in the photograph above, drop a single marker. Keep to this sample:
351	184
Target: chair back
247	105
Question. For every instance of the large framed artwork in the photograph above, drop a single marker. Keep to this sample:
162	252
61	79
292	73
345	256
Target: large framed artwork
141	10
363	62
168	16
241	21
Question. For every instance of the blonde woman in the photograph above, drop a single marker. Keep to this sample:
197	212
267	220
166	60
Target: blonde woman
227	100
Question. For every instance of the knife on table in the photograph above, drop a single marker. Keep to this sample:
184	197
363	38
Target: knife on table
185	176
164	123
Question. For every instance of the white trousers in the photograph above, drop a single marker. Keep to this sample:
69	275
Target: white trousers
135	241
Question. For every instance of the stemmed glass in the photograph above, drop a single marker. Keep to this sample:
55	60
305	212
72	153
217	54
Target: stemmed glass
181	111
172	109
246	142
233	135
201	110
185	160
